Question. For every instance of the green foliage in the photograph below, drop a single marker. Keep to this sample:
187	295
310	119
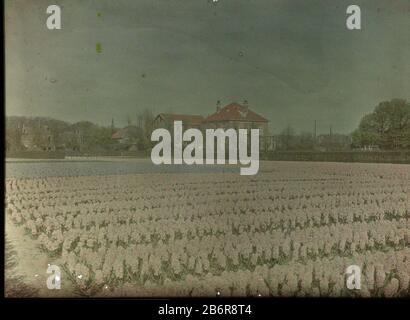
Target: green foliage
26	133
387	127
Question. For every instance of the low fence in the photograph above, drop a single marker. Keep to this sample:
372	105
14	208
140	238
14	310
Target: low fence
67	155
334	156
130	154
340	156
35	155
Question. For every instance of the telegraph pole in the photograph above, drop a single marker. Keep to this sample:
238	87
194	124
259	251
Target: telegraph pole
330	137
314	134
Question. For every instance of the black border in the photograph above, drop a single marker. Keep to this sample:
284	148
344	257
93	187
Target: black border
261	307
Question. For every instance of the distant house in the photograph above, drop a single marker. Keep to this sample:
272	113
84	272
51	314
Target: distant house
166	120
127	135
237	116
37	137
28	138
334	141
233	115
370	148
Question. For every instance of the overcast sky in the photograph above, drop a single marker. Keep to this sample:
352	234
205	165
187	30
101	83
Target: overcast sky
293	60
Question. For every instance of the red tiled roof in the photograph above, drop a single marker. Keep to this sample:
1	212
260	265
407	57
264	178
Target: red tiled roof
117	135
130	131
192	119
235	112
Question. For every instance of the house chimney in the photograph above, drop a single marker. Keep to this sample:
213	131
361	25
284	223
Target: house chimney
218	106
245	104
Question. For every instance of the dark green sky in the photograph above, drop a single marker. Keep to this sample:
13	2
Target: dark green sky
293	60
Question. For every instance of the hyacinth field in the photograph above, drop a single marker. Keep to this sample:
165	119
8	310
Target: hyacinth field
291	230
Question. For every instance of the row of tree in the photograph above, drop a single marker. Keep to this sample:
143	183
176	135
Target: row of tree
47	134
288	140
387	127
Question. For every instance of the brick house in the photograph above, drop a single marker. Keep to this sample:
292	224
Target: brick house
233	115
237	116
166	121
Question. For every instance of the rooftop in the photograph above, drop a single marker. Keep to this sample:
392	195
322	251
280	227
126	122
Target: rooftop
193	119
235	112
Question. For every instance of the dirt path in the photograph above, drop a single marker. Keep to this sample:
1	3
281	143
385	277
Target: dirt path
33	263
